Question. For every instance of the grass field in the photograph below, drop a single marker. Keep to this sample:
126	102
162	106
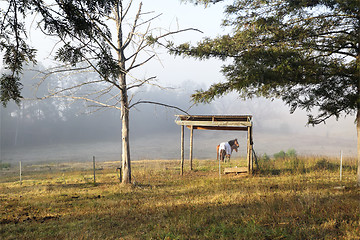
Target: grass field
296	198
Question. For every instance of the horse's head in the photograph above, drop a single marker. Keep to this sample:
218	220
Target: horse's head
236	142
234	147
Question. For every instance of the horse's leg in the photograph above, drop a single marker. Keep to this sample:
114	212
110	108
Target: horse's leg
222	155
217	152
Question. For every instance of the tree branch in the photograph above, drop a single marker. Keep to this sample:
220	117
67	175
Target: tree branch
131	33
141	83
87	100
126	10
161	104
140	64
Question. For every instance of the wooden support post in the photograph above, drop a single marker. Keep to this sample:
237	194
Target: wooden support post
251	152
191	147
251	159
182	151
248	152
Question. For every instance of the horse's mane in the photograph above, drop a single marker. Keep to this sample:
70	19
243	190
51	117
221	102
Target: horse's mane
232	142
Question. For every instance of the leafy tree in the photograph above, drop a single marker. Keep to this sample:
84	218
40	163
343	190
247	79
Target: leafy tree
99	36
305	52
16	50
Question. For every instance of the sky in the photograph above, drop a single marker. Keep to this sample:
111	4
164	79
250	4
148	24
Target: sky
53	131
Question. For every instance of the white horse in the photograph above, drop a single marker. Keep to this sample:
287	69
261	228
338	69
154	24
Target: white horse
225	149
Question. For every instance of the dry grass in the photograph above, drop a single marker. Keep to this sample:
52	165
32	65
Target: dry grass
285	200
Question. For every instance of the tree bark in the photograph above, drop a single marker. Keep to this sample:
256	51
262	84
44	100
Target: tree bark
358	145
182	151
191	147
126	164
358	126
358	115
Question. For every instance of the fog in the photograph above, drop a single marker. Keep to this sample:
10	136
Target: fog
55	130
51	130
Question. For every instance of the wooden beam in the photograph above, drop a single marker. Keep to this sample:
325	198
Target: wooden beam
241	118
218	128
211	123
236	170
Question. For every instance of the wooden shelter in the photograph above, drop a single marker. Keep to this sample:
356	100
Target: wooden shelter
216	122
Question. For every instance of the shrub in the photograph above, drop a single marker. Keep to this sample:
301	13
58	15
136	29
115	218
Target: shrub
4	165
324	164
280	155
265	157
267	166
291	153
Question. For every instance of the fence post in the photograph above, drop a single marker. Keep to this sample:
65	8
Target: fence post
20	173
341	159
94	168
220	166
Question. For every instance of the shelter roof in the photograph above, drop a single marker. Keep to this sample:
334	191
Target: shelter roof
215	122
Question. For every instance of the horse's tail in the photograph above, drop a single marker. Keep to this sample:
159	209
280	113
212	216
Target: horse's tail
217	152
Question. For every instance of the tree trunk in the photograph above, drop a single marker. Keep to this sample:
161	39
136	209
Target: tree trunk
358	145
126	164
357	74
358	126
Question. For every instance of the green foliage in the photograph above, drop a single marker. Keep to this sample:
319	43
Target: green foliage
10	87
267	165
291	153
265	158
72	21
70	54
4	165
324	164
280	155
282	162
206	2
15	49
304	52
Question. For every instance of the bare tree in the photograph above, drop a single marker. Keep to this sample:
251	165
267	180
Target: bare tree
87	42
